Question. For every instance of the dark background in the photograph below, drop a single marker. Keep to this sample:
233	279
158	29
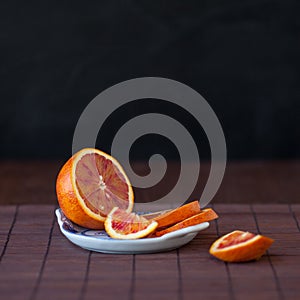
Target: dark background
242	56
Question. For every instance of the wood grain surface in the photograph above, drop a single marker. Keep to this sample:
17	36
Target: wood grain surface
33	182
38	262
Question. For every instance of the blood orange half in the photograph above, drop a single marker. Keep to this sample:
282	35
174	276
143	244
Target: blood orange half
239	246
89	185
120	224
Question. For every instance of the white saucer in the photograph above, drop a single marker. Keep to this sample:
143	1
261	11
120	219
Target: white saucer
99	241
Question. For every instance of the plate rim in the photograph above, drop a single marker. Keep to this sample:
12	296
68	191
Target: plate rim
174	239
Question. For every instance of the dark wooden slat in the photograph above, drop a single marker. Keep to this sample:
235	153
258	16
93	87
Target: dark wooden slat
156	276
35	219
180	291
8	216
198	247
295	208
45	264
274	208
232	208
109	275
230	221
28	182
199	269
279	290
107	289
64	271
203	276
276	223
255	288
253	280
234	217
295	211
19	269
244	276
288	266
36	287
229	277
286	244
287	269
33	181
132	283
290	286
86	278
260	182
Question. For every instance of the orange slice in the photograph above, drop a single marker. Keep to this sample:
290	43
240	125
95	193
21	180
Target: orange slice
239	246
89	185
178	214
120	224
204	216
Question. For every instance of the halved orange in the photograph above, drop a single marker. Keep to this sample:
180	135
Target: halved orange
120	224
89	185
240	246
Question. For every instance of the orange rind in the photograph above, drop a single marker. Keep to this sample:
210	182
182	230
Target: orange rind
120	224
240	246
89	185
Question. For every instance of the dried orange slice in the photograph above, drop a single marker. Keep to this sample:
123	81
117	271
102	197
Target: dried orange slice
178	214
205	215
89	185
240	246
120	224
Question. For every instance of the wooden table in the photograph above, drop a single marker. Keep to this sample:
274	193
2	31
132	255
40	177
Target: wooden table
33	181
38	262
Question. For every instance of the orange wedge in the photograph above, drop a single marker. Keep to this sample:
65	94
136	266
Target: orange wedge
178	214
89	185
240	246
120	224
205	215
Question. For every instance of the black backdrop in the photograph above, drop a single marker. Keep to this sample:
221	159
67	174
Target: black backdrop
242	56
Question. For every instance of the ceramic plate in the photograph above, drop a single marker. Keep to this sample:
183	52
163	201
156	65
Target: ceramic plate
99	241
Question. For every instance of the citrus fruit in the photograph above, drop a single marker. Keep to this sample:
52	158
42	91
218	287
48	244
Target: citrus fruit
178	214
239	246
89	185
121	224
205	215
